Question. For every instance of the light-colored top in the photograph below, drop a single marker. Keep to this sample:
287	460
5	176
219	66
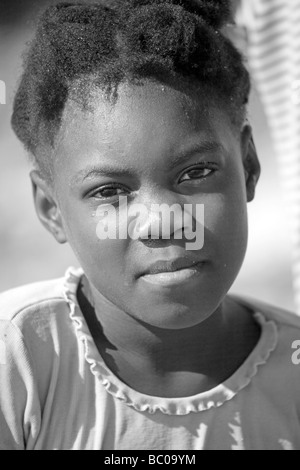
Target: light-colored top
56	392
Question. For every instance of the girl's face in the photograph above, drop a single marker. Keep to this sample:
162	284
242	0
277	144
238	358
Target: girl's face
156	145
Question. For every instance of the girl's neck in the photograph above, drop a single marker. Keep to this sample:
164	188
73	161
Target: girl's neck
152	359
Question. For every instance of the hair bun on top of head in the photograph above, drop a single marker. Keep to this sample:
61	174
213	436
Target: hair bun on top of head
120	39
78	13
216	13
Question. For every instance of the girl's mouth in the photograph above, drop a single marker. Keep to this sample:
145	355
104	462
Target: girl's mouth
175	276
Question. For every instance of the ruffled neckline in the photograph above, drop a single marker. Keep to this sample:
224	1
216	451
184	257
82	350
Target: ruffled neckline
213	398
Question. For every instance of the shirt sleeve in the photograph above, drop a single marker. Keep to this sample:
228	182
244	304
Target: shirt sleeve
20	413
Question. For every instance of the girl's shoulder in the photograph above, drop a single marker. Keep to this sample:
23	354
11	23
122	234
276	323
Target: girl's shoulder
284	327
35	322
17	301
21	304
284	319
37	313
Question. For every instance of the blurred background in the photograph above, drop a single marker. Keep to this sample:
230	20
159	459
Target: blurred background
28	253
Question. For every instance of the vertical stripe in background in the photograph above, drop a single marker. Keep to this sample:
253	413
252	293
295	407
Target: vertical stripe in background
273	53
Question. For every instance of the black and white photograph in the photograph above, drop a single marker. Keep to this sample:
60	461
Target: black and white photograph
150	227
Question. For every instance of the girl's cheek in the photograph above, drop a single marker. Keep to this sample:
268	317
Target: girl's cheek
215	212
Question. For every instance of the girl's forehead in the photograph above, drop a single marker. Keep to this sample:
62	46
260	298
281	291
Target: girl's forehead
185	92
149	103
146	123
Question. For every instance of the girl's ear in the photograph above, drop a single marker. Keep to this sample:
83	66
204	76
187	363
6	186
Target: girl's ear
250	161
46	207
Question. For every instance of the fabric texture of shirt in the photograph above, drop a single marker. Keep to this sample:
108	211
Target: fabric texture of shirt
56	392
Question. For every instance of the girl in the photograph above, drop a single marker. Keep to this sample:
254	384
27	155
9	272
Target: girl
142	348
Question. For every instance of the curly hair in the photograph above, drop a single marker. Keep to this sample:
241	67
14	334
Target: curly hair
114	41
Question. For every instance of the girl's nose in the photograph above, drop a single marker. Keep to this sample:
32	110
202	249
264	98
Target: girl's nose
151	226
161	217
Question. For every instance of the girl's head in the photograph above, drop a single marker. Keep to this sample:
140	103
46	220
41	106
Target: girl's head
145	99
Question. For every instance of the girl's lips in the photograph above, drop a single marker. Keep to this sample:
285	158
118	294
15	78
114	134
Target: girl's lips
174	277
171	265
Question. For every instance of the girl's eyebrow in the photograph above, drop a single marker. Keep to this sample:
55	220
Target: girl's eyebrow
198	148
113	172
94	171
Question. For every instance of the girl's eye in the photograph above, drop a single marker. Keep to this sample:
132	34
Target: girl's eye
197	174
108	192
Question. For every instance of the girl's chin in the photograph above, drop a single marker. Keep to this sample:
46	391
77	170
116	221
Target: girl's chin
174	319
171	313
